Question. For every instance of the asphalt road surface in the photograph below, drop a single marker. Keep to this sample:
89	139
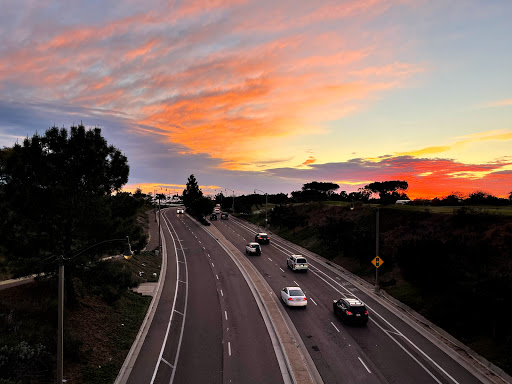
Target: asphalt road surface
207	327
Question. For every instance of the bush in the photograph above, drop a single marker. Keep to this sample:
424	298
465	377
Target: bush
29	362
108	279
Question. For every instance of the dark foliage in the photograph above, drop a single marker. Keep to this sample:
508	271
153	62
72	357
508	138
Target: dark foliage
57	197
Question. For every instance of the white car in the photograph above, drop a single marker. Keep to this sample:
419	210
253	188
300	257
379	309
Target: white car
180	210
297	263
294	297
253	249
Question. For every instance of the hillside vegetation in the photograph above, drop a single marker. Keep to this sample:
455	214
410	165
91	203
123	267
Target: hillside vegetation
455	269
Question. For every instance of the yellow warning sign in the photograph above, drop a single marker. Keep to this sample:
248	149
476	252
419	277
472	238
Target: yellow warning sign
377	261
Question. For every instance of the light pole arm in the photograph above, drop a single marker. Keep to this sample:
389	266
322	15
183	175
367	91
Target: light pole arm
60	318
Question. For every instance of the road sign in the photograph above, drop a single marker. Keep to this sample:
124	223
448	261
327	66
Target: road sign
377	261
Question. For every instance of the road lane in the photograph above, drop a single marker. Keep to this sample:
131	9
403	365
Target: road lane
399	352
224	337
318	340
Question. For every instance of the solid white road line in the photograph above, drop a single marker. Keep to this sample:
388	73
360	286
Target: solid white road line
229	348
364	365
334	326
312	301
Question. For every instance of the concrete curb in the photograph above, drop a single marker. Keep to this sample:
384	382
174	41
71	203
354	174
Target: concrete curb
299	364
131	357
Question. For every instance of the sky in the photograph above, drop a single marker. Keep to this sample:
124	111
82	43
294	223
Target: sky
269	95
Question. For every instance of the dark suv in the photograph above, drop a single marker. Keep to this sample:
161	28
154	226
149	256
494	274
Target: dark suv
350	310
262	238
213	216
224	216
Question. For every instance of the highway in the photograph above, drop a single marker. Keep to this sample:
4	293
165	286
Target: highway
208	327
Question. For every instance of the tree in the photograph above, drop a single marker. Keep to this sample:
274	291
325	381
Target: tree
191	192
325	188
203	206
55	194
389	190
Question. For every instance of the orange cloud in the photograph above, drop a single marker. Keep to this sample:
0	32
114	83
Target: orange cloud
310	160
500	103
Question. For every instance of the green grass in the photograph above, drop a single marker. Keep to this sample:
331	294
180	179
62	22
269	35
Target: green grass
147	262
484	209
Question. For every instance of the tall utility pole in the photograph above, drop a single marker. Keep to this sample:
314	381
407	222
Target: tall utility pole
377	288
266	203
159	228
233	198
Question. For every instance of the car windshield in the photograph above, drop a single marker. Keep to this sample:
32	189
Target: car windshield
358	309
255	246
301	261
296	292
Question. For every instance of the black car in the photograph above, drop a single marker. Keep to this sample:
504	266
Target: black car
262	238
213	216
350	310
224	216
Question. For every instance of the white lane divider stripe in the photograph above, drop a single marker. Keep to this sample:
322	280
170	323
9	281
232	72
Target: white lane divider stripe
364	365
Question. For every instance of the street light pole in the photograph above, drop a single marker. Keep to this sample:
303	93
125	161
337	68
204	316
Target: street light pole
60	311
377	287
233	198
60	323
266	203
159	228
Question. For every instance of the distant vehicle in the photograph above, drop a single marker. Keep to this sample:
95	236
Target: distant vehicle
253	249
213	216
262	238
180	210
217	205
297	263
294	297
216	210
350	310
402	202
224	216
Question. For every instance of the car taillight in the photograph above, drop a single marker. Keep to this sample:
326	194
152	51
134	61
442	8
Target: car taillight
290	298
349	313
294	265
305	298
366	313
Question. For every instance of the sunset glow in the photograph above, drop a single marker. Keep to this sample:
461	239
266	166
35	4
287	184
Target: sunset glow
266	95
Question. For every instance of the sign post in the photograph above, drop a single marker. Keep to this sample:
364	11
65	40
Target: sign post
377	261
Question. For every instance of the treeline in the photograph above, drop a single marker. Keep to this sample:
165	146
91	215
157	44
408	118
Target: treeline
385	192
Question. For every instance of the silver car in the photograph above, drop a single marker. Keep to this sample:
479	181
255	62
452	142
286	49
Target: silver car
253	249
297	263
294	297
